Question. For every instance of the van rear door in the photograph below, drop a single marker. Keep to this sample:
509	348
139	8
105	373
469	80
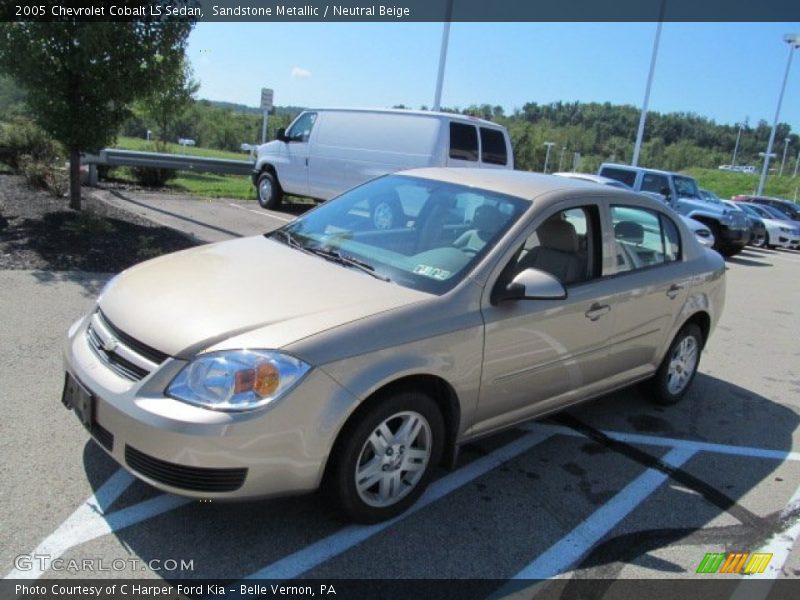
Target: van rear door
463	150
495	149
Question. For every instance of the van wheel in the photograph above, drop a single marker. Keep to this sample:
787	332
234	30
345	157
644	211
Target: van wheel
386	214
268	191
677	370
387	457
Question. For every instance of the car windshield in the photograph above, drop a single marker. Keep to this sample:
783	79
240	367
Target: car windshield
419	233
686	187
776	212
758	211
710	196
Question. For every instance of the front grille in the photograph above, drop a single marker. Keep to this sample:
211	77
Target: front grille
122	354
197	479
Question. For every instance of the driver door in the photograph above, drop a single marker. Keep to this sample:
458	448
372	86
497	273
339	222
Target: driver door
294	174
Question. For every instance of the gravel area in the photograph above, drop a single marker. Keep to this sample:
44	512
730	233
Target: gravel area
39	231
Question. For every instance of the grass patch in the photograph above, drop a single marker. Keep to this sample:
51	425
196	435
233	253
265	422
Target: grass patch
130	143
726	184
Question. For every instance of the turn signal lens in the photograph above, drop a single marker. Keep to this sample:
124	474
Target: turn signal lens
267	379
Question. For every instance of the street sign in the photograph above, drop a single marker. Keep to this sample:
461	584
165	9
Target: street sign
266	99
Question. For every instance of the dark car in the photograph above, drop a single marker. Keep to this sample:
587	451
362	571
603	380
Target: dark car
789	208
758	231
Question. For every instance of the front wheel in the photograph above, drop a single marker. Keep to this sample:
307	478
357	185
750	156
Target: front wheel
387	457
268	191
679	367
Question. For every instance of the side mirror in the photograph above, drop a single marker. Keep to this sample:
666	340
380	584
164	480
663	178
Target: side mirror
531	284
280	135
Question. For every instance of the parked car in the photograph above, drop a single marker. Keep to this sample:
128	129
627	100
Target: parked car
683	194
703	233
780	232
758	231
327	151
331	352
789	208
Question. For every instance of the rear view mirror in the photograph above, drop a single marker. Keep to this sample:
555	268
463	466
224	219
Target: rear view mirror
531	284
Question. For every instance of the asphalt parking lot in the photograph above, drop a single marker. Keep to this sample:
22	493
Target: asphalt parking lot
616	488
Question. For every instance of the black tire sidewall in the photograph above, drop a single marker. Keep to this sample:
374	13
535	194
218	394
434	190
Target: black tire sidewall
275	198
394	207
342	480
660	393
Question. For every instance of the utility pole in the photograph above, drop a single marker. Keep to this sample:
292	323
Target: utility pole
437	99
547	154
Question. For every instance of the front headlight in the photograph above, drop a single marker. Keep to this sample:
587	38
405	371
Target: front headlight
786	230
237	380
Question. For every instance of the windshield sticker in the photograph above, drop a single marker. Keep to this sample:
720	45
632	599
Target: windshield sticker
432	272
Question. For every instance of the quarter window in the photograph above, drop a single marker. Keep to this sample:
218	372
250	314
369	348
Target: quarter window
493	147
643	238
652	182
463	142
623	175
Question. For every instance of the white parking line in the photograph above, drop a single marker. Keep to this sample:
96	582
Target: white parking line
311	556
89	521
569	549
262	213
655	440
780	546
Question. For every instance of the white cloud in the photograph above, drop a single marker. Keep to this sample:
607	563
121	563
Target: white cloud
298	73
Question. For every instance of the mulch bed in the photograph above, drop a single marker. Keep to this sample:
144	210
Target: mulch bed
39	231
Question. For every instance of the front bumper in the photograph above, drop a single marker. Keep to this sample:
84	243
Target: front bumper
192	451
733	237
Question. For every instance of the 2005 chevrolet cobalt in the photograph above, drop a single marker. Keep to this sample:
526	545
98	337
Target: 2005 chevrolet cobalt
358	353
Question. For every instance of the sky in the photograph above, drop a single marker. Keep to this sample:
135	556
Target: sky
723	71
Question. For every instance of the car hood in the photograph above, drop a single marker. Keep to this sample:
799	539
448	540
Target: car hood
185	302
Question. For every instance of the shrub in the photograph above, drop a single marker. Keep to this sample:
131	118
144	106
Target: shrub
151	176
44	175
23	138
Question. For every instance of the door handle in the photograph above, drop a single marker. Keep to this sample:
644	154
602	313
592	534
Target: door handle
596	311
674	290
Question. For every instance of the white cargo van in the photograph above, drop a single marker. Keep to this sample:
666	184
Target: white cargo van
327	151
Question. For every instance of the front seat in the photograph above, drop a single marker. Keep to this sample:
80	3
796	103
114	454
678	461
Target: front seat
557	252
486	222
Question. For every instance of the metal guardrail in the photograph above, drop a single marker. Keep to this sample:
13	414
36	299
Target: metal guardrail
114	157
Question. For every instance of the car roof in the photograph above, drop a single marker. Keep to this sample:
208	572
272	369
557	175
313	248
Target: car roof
406	111
522	184
594	179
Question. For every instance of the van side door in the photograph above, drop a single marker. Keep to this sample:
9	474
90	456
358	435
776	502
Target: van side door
462	147
495	149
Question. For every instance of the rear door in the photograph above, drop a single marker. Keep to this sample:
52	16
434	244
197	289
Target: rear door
651	284
495	152
463	149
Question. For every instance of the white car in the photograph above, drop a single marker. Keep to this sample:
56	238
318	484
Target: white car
781	233
701	232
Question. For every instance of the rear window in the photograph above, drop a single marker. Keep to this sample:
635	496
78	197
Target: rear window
463	142
623	175
493	147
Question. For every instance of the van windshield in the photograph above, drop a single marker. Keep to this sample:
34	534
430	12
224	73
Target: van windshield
419	233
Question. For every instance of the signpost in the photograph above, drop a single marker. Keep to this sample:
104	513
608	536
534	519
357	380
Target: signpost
266	106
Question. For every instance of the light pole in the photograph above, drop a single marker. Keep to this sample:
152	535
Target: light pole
736	147
796	162
786	142
643	117
437	99
794	42
547	154
561	158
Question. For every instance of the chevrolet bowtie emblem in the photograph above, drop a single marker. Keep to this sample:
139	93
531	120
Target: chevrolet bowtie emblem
110	345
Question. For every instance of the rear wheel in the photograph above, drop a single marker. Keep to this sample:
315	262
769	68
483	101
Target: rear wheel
268	191
387	457
679	367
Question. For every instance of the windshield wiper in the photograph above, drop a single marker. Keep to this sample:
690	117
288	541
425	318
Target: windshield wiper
348	261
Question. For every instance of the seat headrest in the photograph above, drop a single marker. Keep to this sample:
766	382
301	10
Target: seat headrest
558	234
488	219
629	231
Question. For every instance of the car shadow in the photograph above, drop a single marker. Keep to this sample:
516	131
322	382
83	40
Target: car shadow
741	260
233	540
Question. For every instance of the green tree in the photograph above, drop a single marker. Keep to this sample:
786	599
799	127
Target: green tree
81	78
170	97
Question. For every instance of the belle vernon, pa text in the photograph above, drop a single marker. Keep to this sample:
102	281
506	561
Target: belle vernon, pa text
168	592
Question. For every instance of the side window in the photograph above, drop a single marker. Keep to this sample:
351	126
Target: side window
463	141
301	128
644	238
566	245
493	147
623	175
652	182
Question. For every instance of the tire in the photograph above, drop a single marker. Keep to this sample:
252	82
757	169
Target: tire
356	450
386	214
678	369
728	251
716	232
767	245
268	191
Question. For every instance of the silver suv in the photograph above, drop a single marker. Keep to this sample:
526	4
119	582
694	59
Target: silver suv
682	193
